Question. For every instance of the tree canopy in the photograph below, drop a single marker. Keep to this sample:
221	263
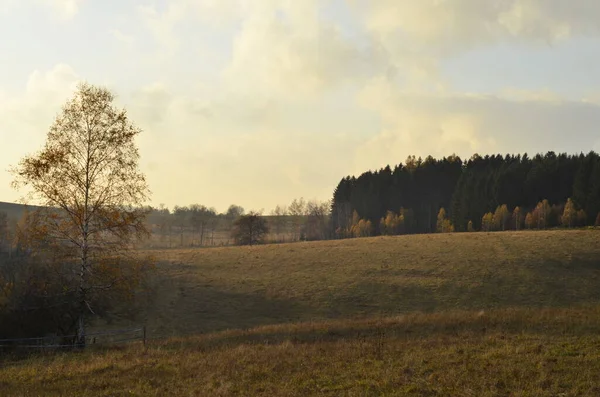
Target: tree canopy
87	179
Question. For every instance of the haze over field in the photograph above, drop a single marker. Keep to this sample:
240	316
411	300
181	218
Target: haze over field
260	102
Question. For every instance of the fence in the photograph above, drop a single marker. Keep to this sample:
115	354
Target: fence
66	341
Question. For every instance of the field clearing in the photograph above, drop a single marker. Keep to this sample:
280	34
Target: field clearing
480	314
206	290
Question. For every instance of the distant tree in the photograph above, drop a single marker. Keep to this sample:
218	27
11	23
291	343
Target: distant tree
213	224
597	223
581	218
443	224
297	209
501	218
88	180
569	215
278	216
407	216
541	214
200	217
354	230
165	224
392	224
250	229
517	218
181	215
363	228
487	222
470	228
440	220
234	212
317	215
529	222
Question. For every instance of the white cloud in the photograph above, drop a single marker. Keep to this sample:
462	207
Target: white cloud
122	37
452	25
467	123
64	9
286	50
26	118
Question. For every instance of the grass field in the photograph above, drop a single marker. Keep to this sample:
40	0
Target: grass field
241	287
454	314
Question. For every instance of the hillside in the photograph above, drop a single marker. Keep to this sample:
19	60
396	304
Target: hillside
480	314
205	290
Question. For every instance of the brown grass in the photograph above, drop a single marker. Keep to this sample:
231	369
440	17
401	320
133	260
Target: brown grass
518	352
502	314
206	290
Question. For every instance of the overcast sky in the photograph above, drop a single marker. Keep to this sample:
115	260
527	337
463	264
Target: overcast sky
256	102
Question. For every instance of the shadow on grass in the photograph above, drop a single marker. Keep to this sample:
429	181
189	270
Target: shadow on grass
185	307
540	324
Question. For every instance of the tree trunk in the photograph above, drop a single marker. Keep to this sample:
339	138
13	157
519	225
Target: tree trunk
80	339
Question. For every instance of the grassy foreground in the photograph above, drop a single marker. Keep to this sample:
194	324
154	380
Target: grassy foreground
501	314
524	352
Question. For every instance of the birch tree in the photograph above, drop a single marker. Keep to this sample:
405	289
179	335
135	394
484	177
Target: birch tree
87	179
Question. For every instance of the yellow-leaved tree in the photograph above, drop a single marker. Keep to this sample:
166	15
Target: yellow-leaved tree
392	224
487	222
517	218
87	180
541	214
444	225
501	218
470	228
529	222
569	215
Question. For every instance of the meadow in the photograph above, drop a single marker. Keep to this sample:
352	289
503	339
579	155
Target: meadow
481	314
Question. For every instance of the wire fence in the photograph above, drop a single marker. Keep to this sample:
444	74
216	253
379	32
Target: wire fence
110	337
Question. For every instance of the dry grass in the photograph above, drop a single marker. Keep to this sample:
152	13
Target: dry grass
518	352
503	314
206	290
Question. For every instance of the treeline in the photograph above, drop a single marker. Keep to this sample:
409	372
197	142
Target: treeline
483	193
197	225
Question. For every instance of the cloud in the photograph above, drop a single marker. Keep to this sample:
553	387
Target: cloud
457	25
288	50
463	123
65	9
219	152
279	48
122	37
26	118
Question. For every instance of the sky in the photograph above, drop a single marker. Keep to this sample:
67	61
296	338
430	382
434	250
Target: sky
258	102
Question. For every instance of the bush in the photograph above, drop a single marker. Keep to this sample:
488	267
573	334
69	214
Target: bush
250	229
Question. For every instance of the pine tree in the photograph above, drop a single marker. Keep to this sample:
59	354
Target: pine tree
593	197
581	218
